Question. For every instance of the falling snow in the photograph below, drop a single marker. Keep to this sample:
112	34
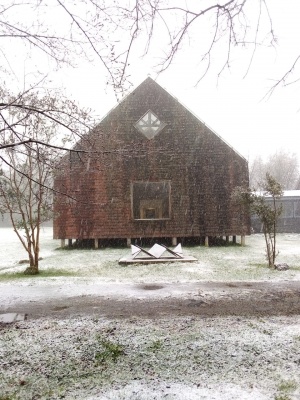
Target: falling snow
186	358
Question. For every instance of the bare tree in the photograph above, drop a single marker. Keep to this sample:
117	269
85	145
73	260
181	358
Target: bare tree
50	34
23	109
25	192
256	173
32	141
282	165
112	33
27	200
57	33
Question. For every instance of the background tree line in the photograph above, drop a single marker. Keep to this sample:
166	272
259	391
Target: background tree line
282	165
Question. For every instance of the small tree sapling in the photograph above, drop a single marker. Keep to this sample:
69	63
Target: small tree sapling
267	211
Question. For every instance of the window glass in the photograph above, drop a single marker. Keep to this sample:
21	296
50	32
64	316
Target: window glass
151	200
149	125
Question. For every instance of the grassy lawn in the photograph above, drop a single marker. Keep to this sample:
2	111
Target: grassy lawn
232	263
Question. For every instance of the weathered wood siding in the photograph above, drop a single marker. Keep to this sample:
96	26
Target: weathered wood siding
202	168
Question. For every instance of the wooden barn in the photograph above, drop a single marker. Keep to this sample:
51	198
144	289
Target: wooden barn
150	170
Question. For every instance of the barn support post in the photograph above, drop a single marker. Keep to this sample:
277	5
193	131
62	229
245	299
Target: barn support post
227	240
234	239
128	242
96	243
174	241
70	242
62	243
243	240
206	241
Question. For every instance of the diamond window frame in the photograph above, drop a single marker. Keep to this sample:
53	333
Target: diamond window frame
149	125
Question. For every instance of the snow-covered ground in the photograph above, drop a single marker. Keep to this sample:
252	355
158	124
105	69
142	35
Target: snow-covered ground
184	358
90	272
214	263
137	359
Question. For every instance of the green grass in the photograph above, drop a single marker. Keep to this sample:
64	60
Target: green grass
287	386
48	273
282	397
155	345
258	265
110	351
216	263
295	268
67	248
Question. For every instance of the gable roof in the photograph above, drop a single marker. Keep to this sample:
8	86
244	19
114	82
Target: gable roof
148	82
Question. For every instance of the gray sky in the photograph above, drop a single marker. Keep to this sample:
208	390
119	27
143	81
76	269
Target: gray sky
233	105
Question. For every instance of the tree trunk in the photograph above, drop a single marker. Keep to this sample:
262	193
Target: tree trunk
33	268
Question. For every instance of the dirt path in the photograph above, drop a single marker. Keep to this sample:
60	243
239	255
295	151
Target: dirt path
205	298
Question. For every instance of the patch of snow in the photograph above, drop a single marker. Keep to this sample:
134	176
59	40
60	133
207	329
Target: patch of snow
97	272
171	390
185	358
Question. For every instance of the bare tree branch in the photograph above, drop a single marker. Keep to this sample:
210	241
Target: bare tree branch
284	78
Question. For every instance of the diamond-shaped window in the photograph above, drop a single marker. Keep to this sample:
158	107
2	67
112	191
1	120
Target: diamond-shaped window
149	125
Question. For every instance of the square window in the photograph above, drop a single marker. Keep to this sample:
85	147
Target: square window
151	200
